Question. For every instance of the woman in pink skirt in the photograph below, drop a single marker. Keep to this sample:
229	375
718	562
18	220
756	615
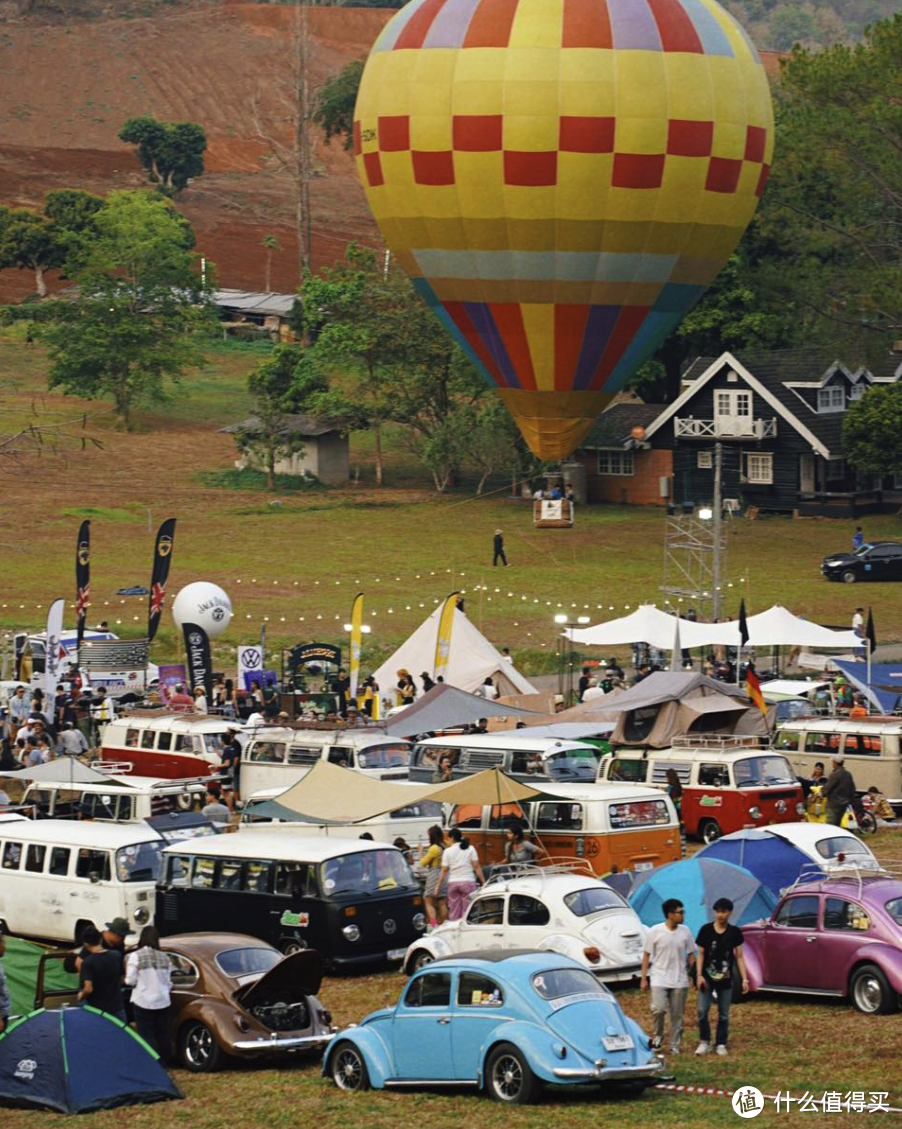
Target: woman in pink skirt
461	869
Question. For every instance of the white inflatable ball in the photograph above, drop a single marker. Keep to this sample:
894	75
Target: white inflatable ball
205	605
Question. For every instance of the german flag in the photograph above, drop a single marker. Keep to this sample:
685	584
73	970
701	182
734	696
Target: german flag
753	688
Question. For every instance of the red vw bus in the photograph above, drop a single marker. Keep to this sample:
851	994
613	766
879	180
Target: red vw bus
729	782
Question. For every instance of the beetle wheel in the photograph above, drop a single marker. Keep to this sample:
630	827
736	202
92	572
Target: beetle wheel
292	945
348	1069
200	1052
508	1077
419	960
871	992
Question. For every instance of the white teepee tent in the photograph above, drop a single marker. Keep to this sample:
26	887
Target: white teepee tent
472	659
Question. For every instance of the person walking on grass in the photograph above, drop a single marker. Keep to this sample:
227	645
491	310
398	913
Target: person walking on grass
719	947
499	549
148	972
669	949
460	866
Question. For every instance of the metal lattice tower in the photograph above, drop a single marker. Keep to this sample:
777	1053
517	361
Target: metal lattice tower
693	568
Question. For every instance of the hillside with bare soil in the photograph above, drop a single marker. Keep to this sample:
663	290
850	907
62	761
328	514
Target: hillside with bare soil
67	87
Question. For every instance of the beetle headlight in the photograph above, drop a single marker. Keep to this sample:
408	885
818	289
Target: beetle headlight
419	922
755	812
800	808
352	932
141	914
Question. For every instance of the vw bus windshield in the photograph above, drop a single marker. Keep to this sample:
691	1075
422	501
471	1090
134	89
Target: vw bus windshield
384	756
140	862
573	763
759	772
366	873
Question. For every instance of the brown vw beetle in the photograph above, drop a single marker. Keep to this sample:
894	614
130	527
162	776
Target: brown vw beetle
232	997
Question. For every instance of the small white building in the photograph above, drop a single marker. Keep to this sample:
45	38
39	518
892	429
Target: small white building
325	452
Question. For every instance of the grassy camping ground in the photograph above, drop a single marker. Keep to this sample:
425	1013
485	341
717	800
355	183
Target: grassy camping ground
296	560
789	1045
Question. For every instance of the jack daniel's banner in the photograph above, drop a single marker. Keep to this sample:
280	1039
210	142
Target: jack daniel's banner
162	559
200	668
82	578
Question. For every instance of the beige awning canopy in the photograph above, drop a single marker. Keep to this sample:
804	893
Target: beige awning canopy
329	794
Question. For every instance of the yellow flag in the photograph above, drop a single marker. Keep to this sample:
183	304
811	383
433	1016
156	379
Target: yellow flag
356	639
443	639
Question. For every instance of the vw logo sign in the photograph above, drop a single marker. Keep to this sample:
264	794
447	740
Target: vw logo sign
250	658
389	925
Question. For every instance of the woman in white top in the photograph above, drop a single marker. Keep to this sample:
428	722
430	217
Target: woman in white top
460	866
200	700
148	972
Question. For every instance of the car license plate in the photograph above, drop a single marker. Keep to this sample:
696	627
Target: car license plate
617	1043
396	954
644	866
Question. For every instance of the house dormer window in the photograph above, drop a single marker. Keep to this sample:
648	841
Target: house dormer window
857	390
831	399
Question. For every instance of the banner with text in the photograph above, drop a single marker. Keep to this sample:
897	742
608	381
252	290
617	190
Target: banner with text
162	561
200	665
82	578
54	653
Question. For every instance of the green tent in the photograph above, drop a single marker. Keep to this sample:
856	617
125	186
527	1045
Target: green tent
21	965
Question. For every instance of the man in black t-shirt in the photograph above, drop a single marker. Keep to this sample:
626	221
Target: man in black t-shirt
719	947
100	976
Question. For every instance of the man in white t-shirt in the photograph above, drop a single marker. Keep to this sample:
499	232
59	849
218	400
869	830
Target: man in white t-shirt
669	948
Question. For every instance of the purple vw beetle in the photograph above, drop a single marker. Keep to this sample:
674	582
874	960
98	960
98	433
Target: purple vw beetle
838	936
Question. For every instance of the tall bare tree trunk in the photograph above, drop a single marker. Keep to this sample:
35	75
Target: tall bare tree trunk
40	284
377	434
302	133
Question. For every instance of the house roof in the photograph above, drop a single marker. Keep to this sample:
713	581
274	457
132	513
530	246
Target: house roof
777	376
612	428
307	426
255	302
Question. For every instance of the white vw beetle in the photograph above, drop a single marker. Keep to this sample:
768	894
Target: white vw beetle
549	908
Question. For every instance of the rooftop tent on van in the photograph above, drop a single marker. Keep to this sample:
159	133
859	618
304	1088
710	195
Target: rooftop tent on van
670	702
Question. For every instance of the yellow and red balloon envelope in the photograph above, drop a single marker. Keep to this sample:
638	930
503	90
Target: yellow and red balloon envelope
561	179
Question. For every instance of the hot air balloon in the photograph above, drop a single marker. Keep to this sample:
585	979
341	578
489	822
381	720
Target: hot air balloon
561	179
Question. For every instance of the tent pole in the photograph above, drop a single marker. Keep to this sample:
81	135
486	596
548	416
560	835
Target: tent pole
868	652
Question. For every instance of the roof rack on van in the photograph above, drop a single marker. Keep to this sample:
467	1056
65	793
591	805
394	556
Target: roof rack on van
113	768
721	742
856	872
557	864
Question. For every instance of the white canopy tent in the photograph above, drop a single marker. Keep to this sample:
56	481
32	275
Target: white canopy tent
777	627
471	660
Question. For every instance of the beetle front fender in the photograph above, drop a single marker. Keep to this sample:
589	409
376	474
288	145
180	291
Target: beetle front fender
753	963
374	1051
431	943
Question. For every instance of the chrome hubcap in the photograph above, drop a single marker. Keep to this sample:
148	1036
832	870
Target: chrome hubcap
508	1077
869	994
347	1071
200	1045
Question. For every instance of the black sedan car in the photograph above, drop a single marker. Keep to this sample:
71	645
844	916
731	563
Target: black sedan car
881	560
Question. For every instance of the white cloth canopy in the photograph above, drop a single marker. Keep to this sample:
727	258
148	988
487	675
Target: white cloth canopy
775	627
471	660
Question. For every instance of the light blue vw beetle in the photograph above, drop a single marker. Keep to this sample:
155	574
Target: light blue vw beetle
506	1021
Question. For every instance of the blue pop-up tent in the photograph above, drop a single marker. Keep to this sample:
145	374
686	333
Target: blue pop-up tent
76	1060
774	861
698	883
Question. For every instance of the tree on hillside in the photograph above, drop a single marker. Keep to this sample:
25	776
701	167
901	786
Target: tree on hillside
171	152
333	103
270	244
872	431
401	364
128	331
835	201
281	386
39	242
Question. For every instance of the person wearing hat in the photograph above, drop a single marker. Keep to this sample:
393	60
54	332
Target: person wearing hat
839	791
407	689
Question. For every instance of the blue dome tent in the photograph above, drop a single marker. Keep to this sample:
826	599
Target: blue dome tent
774	861
698	883
78	1059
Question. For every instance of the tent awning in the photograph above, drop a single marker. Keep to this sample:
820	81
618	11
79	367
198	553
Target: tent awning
775	627
64	770
445	706
329	794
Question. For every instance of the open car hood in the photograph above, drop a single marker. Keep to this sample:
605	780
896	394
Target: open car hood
301	972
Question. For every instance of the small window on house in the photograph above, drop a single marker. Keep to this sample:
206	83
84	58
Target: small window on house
759	469
705	460
836	470
857	390
616	463
832	398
